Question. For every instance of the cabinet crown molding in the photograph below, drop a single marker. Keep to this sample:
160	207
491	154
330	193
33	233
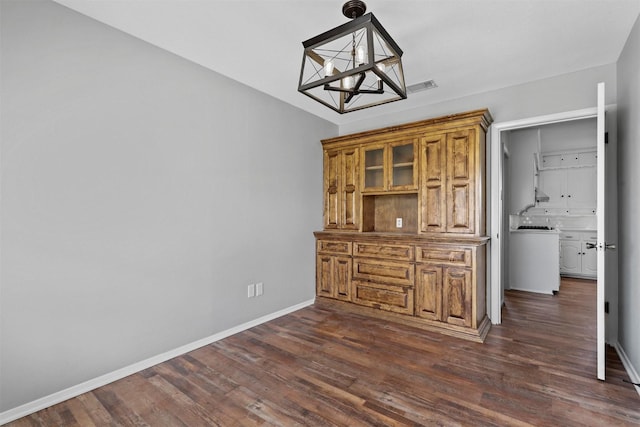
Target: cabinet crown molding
449	122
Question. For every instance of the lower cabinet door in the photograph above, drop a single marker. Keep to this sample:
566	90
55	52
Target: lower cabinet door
569	256
333	277
342	278
398	299
589	261
428	292
324	276
456	296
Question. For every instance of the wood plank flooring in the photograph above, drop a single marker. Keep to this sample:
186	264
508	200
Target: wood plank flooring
319	367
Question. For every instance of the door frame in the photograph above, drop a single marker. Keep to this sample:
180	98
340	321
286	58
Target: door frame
497	206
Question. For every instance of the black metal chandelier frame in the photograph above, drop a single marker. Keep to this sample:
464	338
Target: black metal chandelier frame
366	31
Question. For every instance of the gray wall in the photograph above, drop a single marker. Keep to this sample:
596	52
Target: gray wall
141	194
629	196
559	94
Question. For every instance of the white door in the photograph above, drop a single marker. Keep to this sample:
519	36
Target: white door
601	245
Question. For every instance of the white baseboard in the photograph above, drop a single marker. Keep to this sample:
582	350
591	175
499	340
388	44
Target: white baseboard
61	396
631	371
535	291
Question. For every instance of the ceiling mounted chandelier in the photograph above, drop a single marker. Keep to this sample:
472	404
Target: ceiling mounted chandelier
353	66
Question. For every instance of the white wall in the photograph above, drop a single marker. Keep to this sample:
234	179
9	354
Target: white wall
140	195
523	144
629	196
571	135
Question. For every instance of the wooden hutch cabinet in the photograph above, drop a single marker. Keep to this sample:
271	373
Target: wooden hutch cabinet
404	224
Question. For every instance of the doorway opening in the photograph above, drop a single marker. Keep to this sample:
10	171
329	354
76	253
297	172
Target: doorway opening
606	194
500	151
549	205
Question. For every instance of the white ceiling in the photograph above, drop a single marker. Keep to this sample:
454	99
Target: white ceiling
466	46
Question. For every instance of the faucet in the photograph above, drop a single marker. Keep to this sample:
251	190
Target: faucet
526	208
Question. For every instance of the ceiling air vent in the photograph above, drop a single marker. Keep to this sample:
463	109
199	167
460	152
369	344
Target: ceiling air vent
419	87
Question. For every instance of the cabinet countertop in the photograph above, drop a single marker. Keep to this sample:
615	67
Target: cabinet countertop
554	231
412	238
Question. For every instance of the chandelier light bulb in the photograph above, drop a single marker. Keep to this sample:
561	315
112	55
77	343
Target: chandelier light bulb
360	55
328	68
348	82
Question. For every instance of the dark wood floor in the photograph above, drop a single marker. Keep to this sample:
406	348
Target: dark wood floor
319	367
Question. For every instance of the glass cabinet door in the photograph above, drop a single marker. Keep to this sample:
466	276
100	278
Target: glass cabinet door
374	168
403	174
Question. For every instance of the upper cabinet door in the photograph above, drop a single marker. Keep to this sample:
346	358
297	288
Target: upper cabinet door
390	166
403	173
374	170
448	182
581	187
553	183
433	173
341	189
350	194
569	188
461	182
332	168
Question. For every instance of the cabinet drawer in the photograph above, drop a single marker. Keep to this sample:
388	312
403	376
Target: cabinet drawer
334	247
462	257
376	250
396	273
398	299
570	235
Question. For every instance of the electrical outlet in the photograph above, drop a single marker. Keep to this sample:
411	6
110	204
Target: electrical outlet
398	222
259	289
251	291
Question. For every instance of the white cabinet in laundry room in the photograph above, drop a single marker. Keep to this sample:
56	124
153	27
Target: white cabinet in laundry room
576	258
569	179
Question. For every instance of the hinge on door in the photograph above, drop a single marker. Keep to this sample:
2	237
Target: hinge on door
606	137
606	306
